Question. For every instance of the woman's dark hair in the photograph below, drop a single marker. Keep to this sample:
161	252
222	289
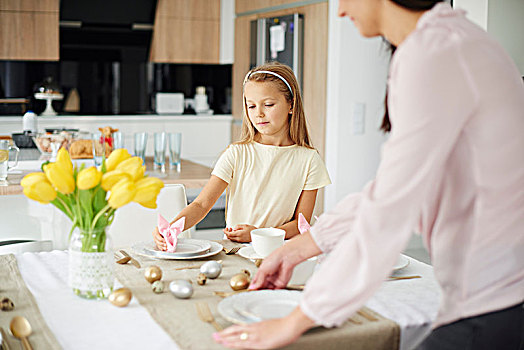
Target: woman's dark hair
414	5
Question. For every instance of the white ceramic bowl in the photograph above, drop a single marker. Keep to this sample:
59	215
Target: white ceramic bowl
265	240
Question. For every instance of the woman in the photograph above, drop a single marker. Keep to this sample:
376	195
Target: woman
453	168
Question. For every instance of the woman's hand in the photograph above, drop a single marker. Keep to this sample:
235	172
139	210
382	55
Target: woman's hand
240	233
267	334
274	273
159	240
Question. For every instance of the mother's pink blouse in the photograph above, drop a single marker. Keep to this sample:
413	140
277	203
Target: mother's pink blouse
453	170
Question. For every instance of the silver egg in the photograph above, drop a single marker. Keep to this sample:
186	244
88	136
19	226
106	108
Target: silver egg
158	287
211	269
182	289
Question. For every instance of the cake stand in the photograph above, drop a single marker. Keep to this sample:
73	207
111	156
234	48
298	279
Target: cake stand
49	98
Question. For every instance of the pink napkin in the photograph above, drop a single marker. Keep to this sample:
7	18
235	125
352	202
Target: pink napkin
303	225
170	232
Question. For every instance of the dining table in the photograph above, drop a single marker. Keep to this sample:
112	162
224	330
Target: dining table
402	310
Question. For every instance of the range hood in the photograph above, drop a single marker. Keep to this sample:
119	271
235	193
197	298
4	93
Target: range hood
92	27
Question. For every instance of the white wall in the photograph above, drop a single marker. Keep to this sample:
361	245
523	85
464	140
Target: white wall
357	71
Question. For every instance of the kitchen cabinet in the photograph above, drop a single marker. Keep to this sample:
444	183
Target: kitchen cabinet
204	138
29	30
187	31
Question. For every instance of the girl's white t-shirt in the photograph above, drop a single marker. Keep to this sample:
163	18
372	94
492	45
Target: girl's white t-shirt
265	182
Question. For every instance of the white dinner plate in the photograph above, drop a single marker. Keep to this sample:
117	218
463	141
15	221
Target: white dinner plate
139	249
402	262
249	253
184	247
250	307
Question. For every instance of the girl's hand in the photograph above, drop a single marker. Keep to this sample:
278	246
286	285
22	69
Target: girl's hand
269	334
159	240
241	233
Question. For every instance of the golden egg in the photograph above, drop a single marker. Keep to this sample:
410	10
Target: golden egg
153	273
120	297
239	281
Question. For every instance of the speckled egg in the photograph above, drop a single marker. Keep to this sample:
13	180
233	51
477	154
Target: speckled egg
158	287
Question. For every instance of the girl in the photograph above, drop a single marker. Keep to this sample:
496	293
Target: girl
452	169
273	173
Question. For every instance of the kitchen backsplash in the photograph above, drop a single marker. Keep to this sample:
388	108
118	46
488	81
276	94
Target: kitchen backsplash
119	86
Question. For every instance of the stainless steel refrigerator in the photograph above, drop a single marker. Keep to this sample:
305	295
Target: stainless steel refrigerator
278	39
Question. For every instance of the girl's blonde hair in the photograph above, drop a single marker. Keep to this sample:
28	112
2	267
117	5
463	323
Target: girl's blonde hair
297	121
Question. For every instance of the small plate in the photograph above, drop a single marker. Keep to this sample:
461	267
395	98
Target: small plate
402	262
260	305
138	248
249	253
184	247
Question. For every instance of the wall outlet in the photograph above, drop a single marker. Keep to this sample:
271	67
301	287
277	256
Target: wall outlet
359	120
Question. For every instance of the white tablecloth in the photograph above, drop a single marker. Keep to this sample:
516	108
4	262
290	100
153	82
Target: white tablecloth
85	324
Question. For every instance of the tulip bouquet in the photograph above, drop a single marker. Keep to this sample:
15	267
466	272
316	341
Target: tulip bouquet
82	193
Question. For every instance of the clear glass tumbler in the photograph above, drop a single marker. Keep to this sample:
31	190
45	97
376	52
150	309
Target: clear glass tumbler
140	145
175	145
118	140
99	148
160	151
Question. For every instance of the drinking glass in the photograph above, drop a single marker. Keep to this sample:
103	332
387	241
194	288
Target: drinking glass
99	147
160	150
118	140
140	145
4	158
175	144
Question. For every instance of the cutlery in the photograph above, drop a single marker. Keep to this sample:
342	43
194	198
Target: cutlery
352	320
232	251
21	329
367	315
133	261
4	344
193	266
121	259
205	315
395	278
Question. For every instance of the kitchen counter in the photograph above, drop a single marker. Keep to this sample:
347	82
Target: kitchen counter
191	175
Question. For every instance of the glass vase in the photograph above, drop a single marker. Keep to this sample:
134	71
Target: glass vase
91	263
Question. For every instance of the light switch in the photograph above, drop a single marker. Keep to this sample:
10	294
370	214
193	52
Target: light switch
359	111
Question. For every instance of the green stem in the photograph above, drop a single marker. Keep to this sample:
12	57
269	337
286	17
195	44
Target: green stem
98	215
70	214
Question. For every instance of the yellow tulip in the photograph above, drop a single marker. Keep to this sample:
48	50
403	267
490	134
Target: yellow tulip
40	191
116	157
62	180
133	166
122	193
110	178
64	160
147	189
88	178
32	178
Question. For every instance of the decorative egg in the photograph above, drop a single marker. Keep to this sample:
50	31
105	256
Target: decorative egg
182	289
158	287
201	279
153	273
120	297
239	281
211	269
6	304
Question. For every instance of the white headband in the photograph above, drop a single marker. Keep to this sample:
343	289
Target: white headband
268	72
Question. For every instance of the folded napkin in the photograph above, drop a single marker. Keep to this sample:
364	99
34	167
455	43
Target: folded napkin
303	225
170	232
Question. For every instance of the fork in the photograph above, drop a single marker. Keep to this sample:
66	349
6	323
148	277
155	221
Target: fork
232	251
121	259
133	261
205	315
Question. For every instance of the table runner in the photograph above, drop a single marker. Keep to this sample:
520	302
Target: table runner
179	319
13	287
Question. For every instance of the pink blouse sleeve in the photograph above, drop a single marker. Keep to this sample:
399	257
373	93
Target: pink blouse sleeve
431	99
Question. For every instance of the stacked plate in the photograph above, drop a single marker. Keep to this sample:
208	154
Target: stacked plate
250	307
186	249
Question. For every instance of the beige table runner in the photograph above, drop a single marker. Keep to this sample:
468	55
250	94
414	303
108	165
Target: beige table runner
13	287
179	319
